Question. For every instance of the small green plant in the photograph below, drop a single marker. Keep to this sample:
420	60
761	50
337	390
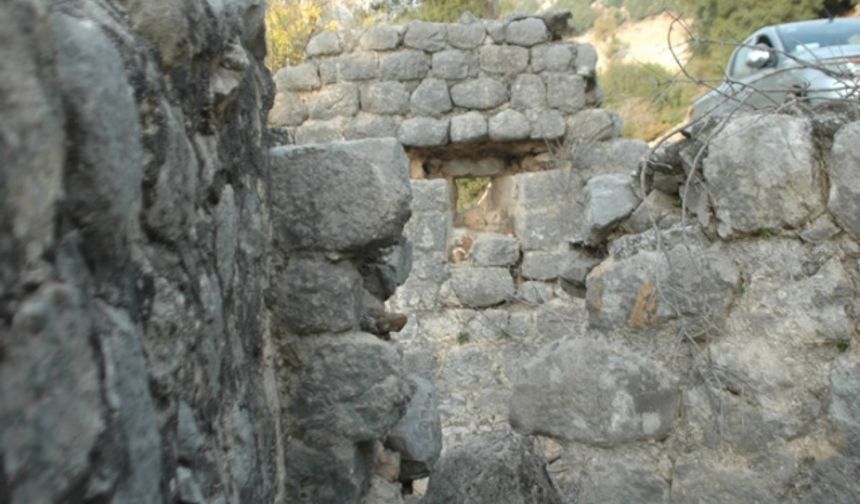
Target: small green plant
767	234
843	345
463	337
677	203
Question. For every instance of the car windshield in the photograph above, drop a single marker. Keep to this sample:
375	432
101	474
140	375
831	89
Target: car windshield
807	37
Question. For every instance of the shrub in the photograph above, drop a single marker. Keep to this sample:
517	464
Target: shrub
582	15
289	26
647	96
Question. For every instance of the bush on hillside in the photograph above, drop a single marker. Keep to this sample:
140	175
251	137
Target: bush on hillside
289	26
649	98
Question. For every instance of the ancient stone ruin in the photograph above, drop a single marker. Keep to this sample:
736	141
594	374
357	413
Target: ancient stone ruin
194	309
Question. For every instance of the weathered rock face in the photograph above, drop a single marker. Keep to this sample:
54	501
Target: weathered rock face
438	83
133	238
502	468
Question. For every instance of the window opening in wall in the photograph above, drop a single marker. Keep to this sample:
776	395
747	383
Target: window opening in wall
480	206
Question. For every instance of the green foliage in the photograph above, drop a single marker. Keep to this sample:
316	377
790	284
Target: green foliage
650	99
843	345
469	191
447	11
463	337
289	26
521	6
640	9
582	15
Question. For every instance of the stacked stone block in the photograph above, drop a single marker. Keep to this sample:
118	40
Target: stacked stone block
431	84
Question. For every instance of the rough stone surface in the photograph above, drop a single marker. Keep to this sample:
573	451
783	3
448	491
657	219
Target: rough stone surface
594	125
316	296
428	37
385	98
453	65
361	168
564	91
555	57
134	144
844	185
289	110
770	184
481	287
302	77
380	38
505	60
431	98
423	132
466	36
324	44
418	435
509	125
371	126
547	125
594	393
499	469
481	94
469	127
351	386
528	91
355	66
404	65
495	250
609	199
333	101
526	32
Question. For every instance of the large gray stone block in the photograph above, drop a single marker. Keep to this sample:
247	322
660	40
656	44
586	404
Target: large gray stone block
288	110
593	125
453	64
468	127
504	60
491	249
466	35
431	195
526	32
482	287
509	125
431	98
528	92
356	66
385	98
594	392
771	183
564	91
324	44
314	296
426	36
316	132
301	77
404	65
540	229
844	176
380	37
418	435
609	199
622	155
497	469
328	197
553	57
546	124
483	93
429	231
332	101
351	386
423	132
366	125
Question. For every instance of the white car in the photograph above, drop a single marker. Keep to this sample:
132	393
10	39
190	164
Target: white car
816	61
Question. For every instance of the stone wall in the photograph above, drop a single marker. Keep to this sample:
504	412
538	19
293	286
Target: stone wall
689	335
431	84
